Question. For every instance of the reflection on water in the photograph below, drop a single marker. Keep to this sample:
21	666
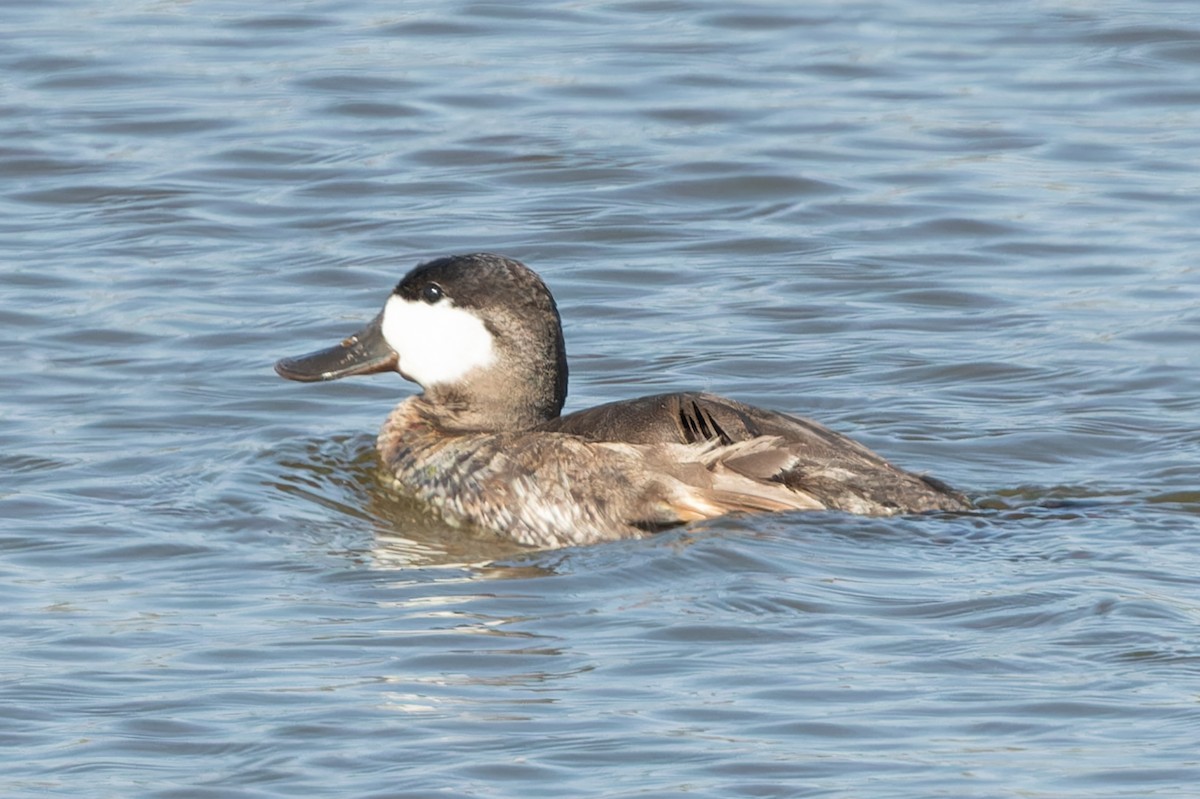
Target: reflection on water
961	234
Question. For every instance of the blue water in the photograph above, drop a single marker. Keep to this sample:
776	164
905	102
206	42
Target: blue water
964	234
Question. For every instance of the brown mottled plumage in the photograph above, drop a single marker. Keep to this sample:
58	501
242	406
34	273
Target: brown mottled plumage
485	444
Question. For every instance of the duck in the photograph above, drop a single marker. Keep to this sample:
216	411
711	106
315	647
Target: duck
485	442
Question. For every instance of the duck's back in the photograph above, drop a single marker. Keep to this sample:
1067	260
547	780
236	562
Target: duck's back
803	455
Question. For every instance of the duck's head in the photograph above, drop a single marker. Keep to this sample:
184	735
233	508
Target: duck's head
479	333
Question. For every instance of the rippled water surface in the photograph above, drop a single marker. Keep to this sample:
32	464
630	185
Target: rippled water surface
964	233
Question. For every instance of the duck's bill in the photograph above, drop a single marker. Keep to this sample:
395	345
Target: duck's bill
364	353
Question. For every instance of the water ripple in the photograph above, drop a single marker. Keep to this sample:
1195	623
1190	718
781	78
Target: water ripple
961	234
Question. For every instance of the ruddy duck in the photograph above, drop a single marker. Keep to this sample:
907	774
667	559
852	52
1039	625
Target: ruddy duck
485	443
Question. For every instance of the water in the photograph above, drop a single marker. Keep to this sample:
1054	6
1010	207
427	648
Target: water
963	233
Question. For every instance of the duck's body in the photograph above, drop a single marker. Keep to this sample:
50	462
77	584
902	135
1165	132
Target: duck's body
485	444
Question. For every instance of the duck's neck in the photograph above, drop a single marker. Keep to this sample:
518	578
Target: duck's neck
494	400
455	411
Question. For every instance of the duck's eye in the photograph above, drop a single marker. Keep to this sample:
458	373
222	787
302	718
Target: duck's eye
432	293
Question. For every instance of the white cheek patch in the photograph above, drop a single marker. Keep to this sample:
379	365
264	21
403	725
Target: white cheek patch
437	344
